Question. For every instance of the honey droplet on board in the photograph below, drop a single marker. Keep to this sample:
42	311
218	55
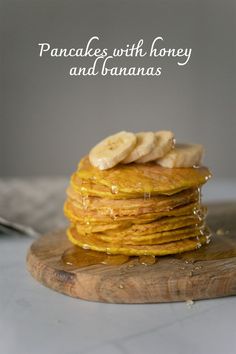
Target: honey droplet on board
221	232
147	260
189	303
115	259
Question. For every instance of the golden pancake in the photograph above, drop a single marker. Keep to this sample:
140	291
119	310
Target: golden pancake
160	225
133	250
85	229
140	179
130	228
150	239
132	207
87	187
95	217
115	213
127	228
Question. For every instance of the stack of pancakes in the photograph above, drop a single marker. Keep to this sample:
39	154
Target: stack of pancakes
137	209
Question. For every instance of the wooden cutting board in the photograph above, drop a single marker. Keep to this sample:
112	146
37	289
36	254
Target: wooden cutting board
209	272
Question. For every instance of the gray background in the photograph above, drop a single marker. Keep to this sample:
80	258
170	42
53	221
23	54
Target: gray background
49	120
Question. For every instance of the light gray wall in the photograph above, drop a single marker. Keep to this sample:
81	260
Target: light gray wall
49	120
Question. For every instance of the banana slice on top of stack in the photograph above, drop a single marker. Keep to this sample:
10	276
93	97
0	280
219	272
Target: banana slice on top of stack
112	150
126	147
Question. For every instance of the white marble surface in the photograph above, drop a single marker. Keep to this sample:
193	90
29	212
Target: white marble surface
36	320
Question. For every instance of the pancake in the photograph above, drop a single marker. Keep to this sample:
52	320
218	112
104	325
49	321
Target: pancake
95	217
160	225
140	179
114	212
127	228
150	239
133	250
86	187
132	207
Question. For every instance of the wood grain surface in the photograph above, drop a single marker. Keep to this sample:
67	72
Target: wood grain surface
207	273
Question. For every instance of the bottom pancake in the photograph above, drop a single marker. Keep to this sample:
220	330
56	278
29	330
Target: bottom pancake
131	250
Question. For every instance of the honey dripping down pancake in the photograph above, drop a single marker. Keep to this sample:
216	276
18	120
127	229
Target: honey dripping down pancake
138	195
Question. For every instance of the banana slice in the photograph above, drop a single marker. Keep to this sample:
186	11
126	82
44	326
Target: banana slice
145	143
112	150
183	155
164	142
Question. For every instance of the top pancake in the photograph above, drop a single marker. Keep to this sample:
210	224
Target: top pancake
133	180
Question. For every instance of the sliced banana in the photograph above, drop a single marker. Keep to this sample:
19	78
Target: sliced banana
183	155
164	142
145	143
112	150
